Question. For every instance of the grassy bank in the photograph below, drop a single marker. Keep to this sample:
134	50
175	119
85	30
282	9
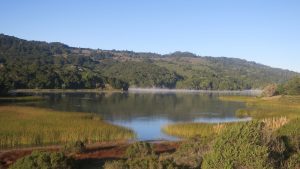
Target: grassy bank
21	99
271	140
21	126
237	146
281	110
260	108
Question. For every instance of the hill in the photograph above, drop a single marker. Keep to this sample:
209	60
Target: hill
35	64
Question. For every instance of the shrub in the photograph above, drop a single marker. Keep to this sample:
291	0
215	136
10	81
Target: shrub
147	162
270	90
140	155
293	161
75	147
117	164
190	153
278	151
280	90
292	87
166	161
43	160
240	146
139	149
291	131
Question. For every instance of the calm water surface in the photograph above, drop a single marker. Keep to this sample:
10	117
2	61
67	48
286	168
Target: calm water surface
146	113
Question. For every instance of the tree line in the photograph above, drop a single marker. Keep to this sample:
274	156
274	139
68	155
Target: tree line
34	64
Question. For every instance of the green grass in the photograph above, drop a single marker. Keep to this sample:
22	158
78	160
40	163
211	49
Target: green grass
290	129
20	126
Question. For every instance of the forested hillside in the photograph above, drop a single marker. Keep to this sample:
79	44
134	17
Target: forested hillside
34	64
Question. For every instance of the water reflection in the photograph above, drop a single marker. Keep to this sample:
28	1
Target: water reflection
145	112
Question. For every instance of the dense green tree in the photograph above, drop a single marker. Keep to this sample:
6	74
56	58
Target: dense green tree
292	87
34	64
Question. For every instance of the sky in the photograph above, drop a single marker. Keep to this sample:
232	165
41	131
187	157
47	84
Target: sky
264	31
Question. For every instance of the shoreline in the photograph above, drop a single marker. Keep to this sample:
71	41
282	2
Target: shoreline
254	92
64	91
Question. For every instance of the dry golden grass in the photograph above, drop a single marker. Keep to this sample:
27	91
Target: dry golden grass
189	130
275	123
21	126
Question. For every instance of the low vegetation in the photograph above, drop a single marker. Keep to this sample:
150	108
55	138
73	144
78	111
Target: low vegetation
191	130
21	126
254	144
267	107
74	147
21	99
43	160
141	155
239	146
291	87
271	140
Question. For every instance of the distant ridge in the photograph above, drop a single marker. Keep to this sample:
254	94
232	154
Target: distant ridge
36	64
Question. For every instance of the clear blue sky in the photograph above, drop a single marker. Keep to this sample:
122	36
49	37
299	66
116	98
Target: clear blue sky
265	31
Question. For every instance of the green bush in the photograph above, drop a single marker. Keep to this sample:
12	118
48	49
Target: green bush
139	149
75	147
291	131
278	151
293	161
43	160
240	146
117	164
190	153
293	86
147	162
140	155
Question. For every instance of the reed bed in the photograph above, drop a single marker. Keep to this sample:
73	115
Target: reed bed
261	108
190	130
275	123
281	114
277	113
27	126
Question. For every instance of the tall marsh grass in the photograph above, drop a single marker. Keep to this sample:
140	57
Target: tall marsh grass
281	114
274	123
261	108
190	130
20	126
274	112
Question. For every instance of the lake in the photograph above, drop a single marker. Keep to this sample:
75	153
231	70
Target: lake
146	112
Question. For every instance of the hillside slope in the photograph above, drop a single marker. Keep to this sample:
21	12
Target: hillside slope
34	64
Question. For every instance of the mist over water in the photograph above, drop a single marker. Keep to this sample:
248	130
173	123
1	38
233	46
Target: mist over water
216	92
